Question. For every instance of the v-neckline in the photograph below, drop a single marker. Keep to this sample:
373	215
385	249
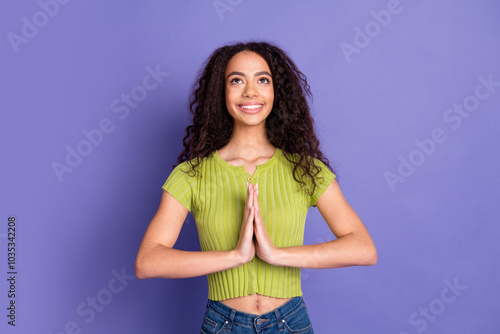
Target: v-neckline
241	169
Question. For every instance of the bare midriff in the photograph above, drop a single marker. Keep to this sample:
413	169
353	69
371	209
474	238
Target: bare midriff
255	304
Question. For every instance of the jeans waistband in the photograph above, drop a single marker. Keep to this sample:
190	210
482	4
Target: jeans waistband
253	320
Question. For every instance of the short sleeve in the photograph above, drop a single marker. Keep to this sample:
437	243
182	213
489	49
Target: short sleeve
323	180
181	184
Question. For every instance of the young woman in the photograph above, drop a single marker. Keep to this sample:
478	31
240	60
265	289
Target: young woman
250	170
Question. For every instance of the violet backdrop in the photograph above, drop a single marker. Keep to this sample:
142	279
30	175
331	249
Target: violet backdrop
406	105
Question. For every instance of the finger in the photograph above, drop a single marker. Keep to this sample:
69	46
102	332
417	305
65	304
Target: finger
257	222
248	216
247	230
250	222
256	198
249	201
251	216
251	196
259	227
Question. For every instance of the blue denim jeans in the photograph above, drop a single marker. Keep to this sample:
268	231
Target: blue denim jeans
291	317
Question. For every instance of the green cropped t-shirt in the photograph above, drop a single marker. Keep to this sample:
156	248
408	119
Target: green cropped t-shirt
216	199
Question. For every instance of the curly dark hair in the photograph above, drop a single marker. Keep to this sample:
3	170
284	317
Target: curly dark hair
289	126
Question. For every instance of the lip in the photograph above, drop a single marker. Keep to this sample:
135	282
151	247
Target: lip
250	111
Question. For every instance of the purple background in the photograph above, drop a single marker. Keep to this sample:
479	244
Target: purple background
440	225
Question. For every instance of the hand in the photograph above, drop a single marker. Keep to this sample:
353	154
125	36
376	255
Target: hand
246	247
264	247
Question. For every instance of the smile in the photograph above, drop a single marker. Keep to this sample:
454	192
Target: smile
250	108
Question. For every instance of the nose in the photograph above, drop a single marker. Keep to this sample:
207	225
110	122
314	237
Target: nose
250	90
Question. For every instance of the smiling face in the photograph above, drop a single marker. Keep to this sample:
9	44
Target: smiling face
249	88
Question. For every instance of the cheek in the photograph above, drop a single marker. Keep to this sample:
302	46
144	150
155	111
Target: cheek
228	95
270	90
269	94
232	92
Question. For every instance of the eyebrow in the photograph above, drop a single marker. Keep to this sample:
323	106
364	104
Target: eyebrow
243	74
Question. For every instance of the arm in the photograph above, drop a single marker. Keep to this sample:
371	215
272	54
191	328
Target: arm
157	258
352	247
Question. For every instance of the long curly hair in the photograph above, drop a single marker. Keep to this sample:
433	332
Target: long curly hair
289	126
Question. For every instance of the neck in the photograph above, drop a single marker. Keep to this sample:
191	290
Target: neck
249	141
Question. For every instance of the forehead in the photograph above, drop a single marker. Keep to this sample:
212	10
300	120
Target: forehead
247	62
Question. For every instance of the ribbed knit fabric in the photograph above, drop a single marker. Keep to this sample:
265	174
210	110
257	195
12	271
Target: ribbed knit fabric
216	199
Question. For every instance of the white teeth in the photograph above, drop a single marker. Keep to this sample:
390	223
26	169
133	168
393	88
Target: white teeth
253	106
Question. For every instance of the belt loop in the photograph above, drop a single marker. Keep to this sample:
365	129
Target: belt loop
231	319
278	319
